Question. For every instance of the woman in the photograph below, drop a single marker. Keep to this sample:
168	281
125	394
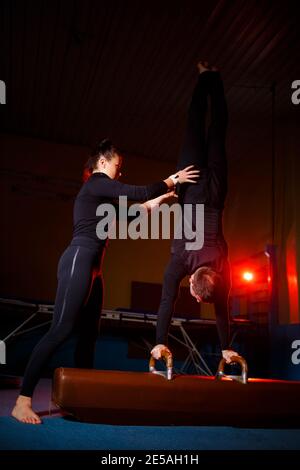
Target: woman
80	289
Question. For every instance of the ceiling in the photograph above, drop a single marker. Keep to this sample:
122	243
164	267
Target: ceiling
76	71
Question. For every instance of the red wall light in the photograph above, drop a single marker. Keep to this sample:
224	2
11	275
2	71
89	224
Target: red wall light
248	276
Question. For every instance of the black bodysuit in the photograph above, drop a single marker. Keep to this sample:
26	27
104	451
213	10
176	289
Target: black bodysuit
208	154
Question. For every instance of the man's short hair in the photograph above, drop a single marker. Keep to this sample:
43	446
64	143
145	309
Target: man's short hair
206	284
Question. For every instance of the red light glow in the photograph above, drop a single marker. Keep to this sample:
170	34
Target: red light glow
247	276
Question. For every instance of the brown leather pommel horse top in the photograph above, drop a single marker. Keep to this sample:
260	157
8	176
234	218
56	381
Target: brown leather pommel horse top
147	398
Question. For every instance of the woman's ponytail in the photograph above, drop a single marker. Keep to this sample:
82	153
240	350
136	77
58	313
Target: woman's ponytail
105	149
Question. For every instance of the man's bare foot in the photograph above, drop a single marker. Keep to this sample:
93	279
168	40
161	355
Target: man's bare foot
23	411
204	66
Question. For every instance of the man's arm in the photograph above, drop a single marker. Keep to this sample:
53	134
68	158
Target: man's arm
174	274
223	317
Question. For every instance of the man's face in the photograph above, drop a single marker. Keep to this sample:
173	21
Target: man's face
193	293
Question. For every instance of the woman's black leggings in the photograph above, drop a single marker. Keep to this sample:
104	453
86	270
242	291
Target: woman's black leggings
78	301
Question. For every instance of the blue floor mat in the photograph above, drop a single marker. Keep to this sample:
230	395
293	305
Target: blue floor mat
63	434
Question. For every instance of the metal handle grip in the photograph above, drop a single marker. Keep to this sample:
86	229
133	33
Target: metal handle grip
243	378
168	359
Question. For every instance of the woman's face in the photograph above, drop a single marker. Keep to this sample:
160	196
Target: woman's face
112	167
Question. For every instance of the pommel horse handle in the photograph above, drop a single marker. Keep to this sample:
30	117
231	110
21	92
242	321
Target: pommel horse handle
168	359
243	378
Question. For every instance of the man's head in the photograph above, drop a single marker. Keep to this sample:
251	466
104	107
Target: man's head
204	284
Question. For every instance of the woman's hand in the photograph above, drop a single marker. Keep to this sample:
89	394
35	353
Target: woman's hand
154	203
187	175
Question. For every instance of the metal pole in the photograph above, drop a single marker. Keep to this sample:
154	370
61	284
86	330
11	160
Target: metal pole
273	167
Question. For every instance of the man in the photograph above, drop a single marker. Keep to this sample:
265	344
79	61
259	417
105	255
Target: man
208	267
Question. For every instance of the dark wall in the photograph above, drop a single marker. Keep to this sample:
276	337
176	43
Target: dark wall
40	180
